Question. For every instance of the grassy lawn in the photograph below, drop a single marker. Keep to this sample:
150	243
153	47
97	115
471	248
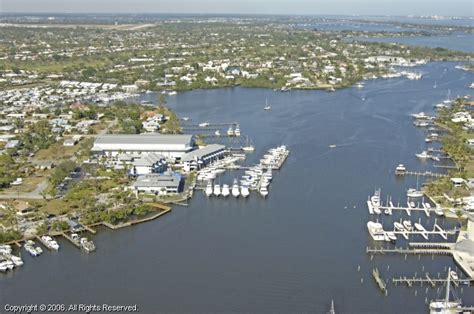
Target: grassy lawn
57	151
469	169
55	206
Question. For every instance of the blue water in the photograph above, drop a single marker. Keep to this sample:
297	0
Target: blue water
460	41
290	253
338	25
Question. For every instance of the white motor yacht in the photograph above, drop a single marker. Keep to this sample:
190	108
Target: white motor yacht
217	189
209	189
244	190
235	189
225	190
376	231
263	191
204	124
400	169
237	131
230	131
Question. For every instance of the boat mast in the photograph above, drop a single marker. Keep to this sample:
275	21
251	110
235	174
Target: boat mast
332	311
447	286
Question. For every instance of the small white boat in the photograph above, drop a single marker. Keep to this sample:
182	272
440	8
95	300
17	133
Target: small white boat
185	118
359	85
204	124
16	260
391	236
217	189
454	275
439	211
230	131
237	131
29	247
87	245
419	227
408	226
235	189
423	155
172	93
332	146
420	115
50	243
263	191
267	107
249	148
398	226
225	190
414	193
400	169
217	133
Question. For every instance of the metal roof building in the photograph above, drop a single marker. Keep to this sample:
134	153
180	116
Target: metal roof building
174	146
209	151
159	183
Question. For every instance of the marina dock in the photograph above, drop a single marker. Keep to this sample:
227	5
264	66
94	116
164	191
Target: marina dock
410	281
437	230
429	174
75	243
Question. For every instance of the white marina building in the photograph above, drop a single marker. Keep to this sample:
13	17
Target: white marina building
170	146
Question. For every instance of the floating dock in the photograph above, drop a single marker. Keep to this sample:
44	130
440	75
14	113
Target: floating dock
379	280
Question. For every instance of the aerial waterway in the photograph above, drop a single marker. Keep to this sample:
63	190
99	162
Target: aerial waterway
294	251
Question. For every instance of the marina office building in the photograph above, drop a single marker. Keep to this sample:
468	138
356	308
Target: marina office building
170	146
159	184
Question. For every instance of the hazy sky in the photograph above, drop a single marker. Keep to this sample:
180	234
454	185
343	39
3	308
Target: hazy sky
347	7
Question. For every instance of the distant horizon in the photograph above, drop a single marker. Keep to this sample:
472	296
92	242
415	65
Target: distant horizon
455	8
238	14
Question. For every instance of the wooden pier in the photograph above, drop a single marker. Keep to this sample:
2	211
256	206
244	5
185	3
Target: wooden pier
76	244
409	251
424	174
